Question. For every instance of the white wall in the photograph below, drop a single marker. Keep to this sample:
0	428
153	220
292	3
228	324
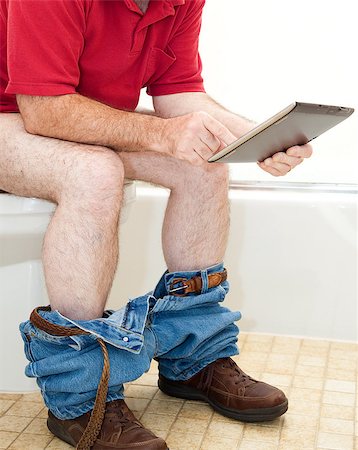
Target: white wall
260	56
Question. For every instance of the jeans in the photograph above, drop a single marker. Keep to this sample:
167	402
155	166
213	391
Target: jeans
184	334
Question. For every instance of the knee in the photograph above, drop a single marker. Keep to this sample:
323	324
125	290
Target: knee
95	178
209	178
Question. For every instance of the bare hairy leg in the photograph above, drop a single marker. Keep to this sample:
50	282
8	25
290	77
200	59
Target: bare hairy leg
196	223
80	248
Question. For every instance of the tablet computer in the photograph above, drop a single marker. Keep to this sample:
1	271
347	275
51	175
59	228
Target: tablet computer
297	124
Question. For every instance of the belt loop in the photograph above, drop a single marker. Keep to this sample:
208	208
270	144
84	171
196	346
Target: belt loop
205	281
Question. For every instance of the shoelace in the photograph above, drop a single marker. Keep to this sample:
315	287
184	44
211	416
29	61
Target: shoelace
241	377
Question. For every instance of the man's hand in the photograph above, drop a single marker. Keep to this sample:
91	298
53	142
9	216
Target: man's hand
283	162
194	137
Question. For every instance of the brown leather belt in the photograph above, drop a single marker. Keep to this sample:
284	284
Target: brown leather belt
94	425
195	284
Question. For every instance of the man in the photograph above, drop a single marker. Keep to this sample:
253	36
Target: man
71	73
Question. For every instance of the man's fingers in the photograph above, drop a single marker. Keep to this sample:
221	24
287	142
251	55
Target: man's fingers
270	169
282	157
218	130
209	140
303	151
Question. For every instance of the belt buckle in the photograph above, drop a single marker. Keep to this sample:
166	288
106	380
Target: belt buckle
180	288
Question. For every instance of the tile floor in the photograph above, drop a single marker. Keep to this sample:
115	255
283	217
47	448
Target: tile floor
319	377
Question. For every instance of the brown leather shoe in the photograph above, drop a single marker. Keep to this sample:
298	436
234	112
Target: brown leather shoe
230	391
120	430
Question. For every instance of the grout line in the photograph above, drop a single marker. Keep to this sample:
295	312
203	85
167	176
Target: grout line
206	429
322	392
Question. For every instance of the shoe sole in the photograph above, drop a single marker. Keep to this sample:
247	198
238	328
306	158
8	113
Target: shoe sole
249	415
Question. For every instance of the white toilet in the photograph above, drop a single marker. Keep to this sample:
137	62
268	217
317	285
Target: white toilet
23	222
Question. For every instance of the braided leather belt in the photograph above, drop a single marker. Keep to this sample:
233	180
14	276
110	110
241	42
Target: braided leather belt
94	425
195	284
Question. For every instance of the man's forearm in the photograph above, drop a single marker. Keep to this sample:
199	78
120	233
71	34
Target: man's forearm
179	104
79	119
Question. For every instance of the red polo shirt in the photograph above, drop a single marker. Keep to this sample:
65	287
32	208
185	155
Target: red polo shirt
103	49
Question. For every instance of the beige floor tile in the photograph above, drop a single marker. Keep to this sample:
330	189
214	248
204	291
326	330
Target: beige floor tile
184	441
276	379
281	360
57	444
38	426
315	343
295	421
343	364
33	397
186	425
25	409
316	361
340	386
9	396
285	341
196	411
153	367
254	337
30	442
314	351
256	347
295	436
310	371
337	411
227	429
307	382
336	425
161	396
14	423
140	391
300	406
219	443
157	421
137	404
148	379
338	398
335	441
5	405
295	444
345	346
343	354
6	438
311	395
287	369
341	374
246	444
258	357
258	433
43	414
164	407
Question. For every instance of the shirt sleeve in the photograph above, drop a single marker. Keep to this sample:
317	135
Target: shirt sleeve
45	41
184	75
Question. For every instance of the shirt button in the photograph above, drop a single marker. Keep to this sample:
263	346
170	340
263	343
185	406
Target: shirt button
125	339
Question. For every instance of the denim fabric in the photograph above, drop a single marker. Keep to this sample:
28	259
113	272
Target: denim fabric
183	333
